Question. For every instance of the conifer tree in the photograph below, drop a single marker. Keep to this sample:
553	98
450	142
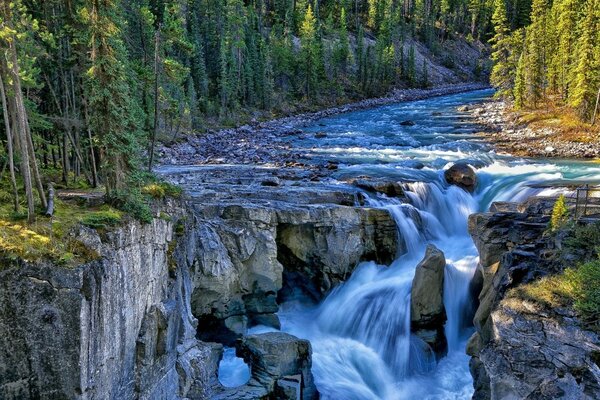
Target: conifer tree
586	75
502	75
519	88
537	47
566	34
310	55
108	93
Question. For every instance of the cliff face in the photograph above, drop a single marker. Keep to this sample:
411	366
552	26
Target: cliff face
127	326
521	349
114	328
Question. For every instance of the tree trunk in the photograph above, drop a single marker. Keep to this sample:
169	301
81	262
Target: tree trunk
9	139
596	108
156	67
20	129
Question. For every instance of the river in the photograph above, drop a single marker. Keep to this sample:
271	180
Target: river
360	334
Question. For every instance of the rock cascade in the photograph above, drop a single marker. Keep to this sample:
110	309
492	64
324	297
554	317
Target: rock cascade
521	349
427	310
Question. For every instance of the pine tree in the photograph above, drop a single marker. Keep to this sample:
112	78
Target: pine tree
537	40
519	88
586	75
342	50
310	54
502	75
108	93
411	69
565	34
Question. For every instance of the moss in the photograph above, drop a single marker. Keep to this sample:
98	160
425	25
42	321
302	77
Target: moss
102	219
46	238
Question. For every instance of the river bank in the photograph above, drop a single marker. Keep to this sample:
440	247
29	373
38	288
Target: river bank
535	134
269	142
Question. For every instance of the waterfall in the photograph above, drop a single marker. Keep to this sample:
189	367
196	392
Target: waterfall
368	317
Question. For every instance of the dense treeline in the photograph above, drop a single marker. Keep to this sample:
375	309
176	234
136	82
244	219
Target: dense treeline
554	57
87	86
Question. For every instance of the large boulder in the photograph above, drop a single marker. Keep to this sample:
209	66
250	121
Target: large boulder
462	175
427	310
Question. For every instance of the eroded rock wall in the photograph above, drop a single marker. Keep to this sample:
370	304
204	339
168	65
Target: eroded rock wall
126	326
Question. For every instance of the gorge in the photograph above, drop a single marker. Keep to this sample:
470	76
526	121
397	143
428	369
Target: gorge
324	249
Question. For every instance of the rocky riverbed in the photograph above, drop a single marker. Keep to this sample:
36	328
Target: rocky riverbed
269	142
507	135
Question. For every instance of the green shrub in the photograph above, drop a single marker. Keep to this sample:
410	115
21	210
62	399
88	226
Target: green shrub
560	214
584	238
133	203
587	293
160	190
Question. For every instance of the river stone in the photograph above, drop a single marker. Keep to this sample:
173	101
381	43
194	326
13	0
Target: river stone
462	175
277	360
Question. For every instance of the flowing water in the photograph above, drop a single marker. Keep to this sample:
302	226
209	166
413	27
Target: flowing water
360	334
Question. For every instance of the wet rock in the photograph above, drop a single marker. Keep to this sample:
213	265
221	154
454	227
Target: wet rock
389	188
280	363
320	135
462	175
428	313
321	251
407	123
274	181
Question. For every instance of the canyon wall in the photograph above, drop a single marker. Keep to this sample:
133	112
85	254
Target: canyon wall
127	325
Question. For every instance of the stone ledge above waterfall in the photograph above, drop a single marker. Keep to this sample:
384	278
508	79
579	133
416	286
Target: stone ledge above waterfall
255	243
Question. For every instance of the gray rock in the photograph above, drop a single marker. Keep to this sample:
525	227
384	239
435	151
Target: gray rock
120	327
522	349
275	357
427	310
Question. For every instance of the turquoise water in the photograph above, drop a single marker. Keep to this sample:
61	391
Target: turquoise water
360	334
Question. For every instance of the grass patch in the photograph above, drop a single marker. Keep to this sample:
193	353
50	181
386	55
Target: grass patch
161	190
563	120
577	287
102	219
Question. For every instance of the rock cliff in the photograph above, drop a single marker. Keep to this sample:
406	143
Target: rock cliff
522	350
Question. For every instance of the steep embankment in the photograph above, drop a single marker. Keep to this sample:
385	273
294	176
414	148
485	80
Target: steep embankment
523	348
